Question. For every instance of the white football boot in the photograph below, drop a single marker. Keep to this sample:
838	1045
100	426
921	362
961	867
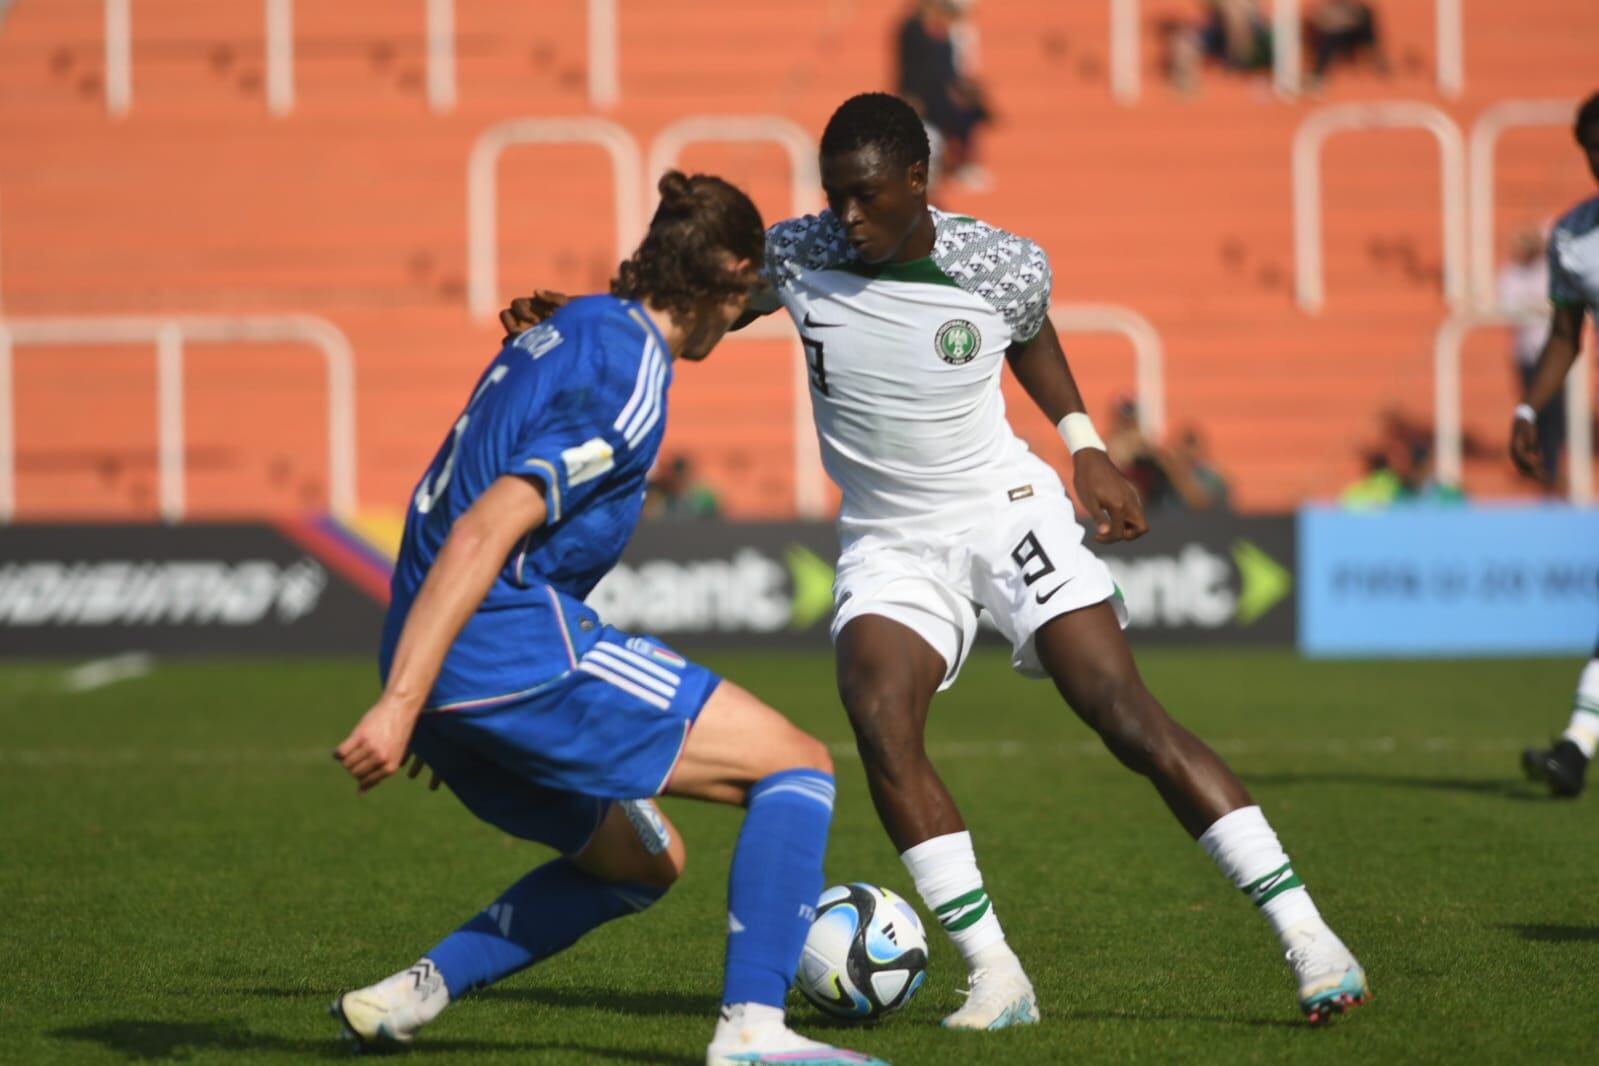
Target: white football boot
387	1015
1330	980
996	999
771	1041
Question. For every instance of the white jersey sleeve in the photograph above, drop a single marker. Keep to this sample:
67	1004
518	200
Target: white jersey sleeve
1009	273
1574	257
810	242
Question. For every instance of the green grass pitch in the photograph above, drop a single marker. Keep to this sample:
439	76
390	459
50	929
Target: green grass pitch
186	876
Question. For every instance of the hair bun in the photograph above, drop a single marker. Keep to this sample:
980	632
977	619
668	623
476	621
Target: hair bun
677	193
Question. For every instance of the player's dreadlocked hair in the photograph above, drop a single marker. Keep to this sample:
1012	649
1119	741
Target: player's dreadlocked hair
681	260
880	120
1587	117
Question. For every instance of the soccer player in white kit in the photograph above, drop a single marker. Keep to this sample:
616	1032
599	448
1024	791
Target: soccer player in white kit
908	316
1574	291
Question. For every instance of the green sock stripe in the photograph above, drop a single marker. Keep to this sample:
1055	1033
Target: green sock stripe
1589	705
955	925
1274	884
959	901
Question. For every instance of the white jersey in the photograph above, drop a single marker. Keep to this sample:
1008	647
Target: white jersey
905	362
1574	257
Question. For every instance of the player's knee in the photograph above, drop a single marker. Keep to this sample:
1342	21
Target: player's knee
805	752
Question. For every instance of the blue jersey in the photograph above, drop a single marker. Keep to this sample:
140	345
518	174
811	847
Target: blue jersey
578	404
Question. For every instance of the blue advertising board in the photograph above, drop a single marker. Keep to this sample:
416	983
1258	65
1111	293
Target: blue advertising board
1407	581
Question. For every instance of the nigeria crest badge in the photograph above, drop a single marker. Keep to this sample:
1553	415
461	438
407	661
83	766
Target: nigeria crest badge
957	341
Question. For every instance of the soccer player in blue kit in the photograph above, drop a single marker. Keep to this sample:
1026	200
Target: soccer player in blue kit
552	726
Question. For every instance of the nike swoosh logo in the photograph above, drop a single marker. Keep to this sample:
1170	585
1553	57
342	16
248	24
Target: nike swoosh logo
1044	597
809	321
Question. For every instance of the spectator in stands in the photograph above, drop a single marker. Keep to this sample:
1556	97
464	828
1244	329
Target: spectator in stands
1196	483
937	66
1343	30
1401	467
676	494
1523	290
1234	33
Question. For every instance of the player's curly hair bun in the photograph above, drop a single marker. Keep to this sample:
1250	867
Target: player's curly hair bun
683	259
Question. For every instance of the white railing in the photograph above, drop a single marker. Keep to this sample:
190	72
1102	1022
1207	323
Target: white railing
280	56
482	209
1310	288
1485	133
1126	79
117	26
1451	48
1447	420
605	86
118	57
1288	65
804	182
1149	357
168	335
441	54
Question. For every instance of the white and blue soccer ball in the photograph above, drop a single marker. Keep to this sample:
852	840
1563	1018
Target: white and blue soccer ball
866	954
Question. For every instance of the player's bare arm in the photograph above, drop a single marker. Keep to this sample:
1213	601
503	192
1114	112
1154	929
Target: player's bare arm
1111	502
472	555
526	312
1554	363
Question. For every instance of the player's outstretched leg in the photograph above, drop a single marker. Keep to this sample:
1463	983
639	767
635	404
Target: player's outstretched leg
628	864
1086	654
887	676
1564	765
740	751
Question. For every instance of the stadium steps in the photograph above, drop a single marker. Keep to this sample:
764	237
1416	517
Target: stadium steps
353	208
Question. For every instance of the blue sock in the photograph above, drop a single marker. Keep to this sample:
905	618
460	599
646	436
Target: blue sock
542	914
774	883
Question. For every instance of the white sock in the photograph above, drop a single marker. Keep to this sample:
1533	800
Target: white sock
1583	730
946	875
418	993
1243	845
742	1022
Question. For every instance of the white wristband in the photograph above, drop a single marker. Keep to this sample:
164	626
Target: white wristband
1525	413
1078	431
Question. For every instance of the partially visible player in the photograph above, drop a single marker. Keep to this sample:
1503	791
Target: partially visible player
552	726
908	317
1574	291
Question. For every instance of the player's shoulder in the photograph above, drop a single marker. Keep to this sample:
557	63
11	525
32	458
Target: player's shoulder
970	245
1009	272
808	242
592	344
1581	220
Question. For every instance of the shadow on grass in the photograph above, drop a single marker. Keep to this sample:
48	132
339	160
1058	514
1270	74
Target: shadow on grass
667	1004
1555	934
147	1041
1168	1016
1482	786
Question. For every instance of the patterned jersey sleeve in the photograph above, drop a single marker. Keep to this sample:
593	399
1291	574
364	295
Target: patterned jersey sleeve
1563	287
1011	273
809	242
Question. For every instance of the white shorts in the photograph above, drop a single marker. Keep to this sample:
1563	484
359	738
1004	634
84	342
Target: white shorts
1028	566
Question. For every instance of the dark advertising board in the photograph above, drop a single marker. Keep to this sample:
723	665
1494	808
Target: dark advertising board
1196	579
203	589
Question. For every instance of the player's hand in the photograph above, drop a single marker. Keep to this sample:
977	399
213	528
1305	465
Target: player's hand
1111	501
376	746
1525	450
526	312
417	766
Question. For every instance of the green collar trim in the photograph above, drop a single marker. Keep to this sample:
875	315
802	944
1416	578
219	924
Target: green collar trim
919	271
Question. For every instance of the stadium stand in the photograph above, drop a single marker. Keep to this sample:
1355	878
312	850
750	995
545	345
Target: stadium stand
352	207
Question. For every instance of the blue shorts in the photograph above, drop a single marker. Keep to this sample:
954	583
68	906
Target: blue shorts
544	765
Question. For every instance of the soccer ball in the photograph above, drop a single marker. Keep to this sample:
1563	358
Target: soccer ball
866	954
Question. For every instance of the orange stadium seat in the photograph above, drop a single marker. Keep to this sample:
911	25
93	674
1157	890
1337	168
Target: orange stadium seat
353	207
